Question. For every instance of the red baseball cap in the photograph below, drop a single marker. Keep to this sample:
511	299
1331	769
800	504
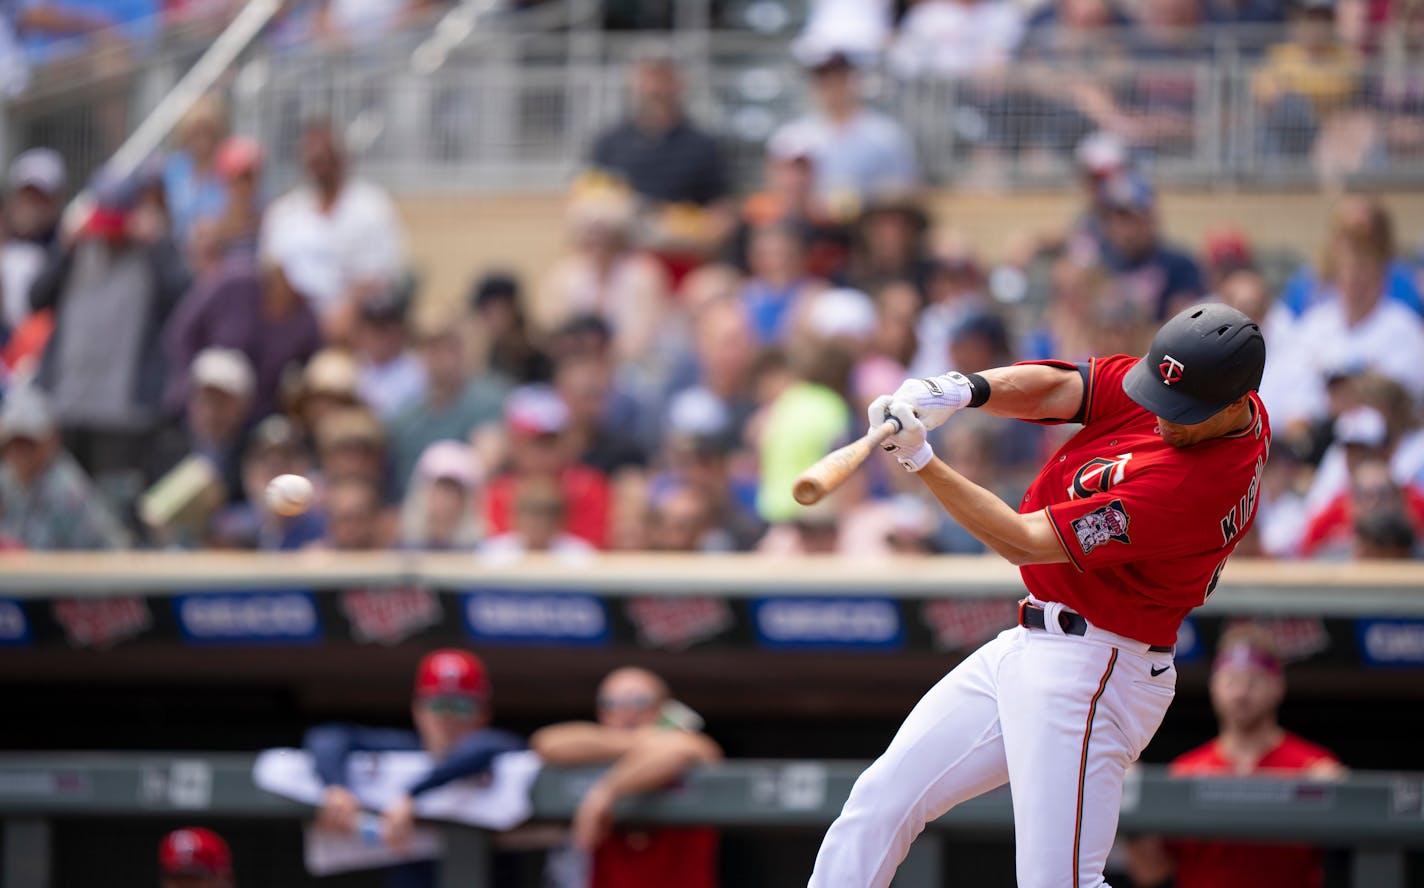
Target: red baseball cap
450	672
238	155
194	851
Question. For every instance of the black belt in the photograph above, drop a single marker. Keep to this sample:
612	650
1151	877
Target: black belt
1031	617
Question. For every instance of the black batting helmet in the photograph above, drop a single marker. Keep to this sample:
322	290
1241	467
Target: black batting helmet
1200	361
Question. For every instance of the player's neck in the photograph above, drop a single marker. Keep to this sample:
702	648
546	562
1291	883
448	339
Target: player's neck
1244	746
1236	420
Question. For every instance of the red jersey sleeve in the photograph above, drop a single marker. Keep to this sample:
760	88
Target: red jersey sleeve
1102	387
1105	397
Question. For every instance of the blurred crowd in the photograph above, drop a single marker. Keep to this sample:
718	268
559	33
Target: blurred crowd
184	336
1334	84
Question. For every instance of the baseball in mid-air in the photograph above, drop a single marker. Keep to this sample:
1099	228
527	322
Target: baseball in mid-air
289	495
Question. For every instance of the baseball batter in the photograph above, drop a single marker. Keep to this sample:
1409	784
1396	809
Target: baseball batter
1124	531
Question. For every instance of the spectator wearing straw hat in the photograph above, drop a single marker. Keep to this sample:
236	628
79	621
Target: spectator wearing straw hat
326	385
351	443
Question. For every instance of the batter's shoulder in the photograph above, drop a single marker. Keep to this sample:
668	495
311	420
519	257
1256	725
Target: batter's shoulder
1105	396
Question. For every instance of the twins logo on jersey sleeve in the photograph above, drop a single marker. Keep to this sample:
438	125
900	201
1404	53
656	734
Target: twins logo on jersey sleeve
1098	475
1104	525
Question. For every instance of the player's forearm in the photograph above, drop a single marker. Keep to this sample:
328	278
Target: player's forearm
581	743
1021	539
1033	391
657	761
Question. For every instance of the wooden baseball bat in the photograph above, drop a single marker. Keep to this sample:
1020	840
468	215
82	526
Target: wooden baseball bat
831	470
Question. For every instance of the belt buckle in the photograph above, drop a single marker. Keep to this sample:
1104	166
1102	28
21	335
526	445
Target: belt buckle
1023	606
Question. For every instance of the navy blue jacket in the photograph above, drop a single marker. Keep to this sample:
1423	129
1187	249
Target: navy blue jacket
330	745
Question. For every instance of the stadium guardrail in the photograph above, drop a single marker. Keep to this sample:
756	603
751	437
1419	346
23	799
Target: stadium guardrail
515	101
1247	586
1378	815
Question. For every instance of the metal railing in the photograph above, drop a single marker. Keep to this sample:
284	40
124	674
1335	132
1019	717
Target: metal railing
514	100
1377	815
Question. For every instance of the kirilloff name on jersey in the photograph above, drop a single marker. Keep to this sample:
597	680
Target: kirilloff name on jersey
1240	514
1098	475
1100	526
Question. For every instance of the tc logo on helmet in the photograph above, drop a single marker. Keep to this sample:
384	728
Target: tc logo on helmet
1171	369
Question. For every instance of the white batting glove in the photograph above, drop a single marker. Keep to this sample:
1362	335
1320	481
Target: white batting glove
934	399
908	445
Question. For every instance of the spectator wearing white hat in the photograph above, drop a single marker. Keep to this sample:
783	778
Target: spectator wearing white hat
957	37
46	500
541	451
34	196
216	417
859	27
440	511
33	199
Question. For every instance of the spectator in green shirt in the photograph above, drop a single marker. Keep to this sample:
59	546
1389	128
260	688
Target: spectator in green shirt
46	500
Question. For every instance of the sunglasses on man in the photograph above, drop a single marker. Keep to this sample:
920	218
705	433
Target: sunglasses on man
456	707
631	702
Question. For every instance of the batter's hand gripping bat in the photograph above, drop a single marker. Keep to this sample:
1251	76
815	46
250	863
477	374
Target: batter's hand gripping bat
831	470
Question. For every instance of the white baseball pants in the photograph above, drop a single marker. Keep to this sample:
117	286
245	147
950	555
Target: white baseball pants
1059	717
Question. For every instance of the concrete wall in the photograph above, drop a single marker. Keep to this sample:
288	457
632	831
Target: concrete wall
453	238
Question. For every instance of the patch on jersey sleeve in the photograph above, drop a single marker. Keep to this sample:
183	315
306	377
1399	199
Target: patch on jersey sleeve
1101	526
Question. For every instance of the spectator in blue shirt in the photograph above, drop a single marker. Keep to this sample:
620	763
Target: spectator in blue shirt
451	711
194	187
136	20
1160	278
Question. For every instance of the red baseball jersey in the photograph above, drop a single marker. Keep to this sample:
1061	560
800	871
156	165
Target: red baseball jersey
1212	864
1147	526
677	856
